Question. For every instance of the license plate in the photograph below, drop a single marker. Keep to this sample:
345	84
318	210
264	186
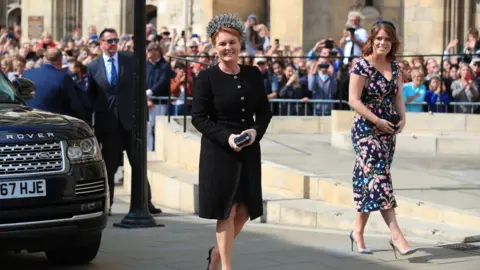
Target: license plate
22	189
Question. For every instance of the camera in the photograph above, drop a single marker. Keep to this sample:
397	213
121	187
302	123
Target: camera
333	53
351	30
329	44
323	65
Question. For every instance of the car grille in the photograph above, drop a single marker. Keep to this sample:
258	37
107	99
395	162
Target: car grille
86	188
31	158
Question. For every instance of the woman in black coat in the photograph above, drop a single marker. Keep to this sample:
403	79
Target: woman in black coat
226	98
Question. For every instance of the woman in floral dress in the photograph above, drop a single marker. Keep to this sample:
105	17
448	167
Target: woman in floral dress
375	92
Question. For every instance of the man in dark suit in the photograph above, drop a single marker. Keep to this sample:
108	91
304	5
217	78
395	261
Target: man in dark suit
110	89
55	90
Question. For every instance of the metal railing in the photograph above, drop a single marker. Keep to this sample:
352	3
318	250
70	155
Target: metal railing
185	96
279	107
322	107
440	107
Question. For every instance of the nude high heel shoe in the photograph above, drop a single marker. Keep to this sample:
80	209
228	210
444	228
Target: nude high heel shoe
404	252
361	251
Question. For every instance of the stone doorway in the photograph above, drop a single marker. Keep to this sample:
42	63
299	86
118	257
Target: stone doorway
152	15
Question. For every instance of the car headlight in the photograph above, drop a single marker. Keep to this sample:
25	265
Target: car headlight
83	151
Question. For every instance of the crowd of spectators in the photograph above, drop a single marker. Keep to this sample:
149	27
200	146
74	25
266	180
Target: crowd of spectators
293	78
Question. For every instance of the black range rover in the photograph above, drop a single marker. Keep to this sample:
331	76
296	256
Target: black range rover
53	186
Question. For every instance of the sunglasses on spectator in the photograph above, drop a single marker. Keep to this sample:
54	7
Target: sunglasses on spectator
112	40
166	33
385	22
193	47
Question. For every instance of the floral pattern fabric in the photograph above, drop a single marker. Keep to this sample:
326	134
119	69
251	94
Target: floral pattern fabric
372	181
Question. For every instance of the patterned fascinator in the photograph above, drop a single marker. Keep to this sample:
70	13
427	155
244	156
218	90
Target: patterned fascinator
225	21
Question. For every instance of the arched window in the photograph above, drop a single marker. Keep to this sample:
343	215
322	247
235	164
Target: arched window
152	15
14	13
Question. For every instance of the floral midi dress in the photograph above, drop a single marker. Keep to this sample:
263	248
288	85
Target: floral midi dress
372	182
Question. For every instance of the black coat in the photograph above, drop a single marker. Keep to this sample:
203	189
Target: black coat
225	104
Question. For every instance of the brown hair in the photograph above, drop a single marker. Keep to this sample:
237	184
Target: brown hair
230	31
473	31
392	34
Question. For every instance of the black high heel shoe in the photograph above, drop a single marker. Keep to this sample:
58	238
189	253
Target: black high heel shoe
209	259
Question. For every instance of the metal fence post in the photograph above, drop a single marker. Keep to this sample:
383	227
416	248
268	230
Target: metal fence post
185	84
169	99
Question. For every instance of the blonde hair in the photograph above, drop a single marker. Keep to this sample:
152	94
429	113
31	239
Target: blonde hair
354	13
417	71
8	63
464	65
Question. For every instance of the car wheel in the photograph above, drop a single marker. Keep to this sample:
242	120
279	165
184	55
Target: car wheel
75	255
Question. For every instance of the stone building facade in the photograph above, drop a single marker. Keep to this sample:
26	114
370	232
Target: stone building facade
425	26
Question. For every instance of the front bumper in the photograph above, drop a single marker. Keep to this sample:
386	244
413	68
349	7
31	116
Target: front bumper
75	207
53	234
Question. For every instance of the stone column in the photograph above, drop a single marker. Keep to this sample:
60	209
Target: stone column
477	15
102	14
170	14
391	10
321	21
241	8
423	27
3	14
286	20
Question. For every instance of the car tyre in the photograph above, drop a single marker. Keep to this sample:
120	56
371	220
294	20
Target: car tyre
77	255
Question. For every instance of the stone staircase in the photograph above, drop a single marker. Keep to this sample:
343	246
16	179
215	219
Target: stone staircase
293	197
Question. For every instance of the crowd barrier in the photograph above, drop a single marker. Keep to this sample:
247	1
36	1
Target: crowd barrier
323	107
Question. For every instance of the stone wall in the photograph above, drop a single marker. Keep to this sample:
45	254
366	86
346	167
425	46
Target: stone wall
423	27
3	15
328	21
295	22
242	8
36	8
170	14
287	20
391	10
109	13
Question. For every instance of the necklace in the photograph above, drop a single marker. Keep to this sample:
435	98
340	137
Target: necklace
227	71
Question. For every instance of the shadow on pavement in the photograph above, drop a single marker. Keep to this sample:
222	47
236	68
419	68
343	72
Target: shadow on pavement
184	242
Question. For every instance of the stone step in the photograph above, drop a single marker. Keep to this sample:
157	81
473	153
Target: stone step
173	187
425	143
340	193
285	181
316	214
177	188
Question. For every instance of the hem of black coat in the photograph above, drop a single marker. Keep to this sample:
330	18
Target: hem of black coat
225	218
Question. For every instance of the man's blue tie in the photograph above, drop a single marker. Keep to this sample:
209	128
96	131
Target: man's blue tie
113	74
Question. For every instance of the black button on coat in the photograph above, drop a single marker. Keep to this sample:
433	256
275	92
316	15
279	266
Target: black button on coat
225	104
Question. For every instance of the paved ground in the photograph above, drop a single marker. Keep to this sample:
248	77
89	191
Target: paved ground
422	177
184	242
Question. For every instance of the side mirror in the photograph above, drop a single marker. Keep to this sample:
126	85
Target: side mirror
25	88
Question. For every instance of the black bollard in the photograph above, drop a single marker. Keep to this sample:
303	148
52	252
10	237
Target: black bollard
139	215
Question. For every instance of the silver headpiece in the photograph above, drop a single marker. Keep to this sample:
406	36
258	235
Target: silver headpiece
225	21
